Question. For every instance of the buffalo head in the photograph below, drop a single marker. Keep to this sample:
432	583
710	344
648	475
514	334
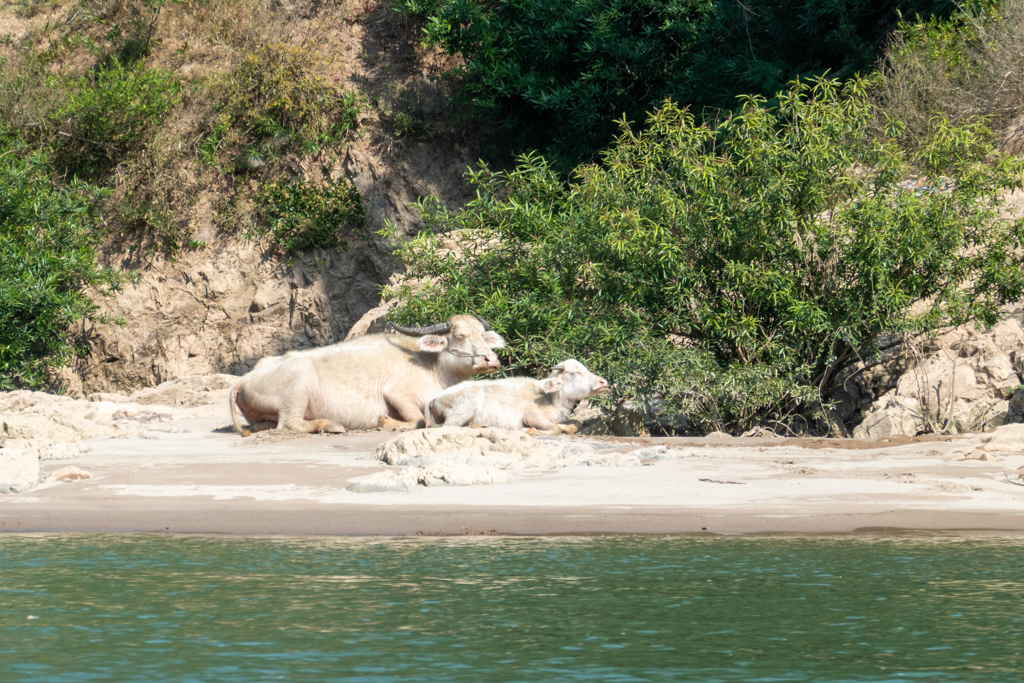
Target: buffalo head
465	343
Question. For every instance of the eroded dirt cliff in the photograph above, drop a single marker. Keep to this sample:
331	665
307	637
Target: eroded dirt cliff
232	296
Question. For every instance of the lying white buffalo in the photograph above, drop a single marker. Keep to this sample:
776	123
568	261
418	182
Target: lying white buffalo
364	382
517	402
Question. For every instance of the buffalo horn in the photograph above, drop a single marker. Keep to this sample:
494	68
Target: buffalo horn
420	331
487	328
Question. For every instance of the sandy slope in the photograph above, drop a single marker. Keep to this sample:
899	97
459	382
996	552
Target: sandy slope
193	475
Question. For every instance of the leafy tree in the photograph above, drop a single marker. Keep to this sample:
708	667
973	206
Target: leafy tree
555	75
732	270
47	256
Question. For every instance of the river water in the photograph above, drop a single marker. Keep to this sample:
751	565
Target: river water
104	607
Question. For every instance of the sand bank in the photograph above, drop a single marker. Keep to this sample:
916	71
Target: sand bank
196	476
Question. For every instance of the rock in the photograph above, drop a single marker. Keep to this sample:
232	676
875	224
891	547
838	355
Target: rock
373	321
68	474
963	380
447	473
111	397
609	460
248	162
891	416
53	426
972	369
719	435
61	419
1015	407
58	451
1005	438
978	454
656	453
390	481
19	466
187	392
593	421
423	447
460	456
629	420
974	416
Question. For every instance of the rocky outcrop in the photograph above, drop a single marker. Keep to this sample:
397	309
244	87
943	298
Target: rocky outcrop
963	381
372	322
187	392
35	426
460	456
1008	438
19	466
891	416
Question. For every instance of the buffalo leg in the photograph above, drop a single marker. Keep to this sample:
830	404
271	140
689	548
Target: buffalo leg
400	424
315	427
409	415
300	378
544	427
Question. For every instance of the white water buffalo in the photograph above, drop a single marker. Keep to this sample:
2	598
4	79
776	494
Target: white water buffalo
517	402
364	382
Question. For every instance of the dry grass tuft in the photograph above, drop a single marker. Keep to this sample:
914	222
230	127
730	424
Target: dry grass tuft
964	70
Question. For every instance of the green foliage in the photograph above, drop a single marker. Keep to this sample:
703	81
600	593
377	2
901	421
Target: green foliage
47	255
555	75
301	215
30	86
31	8
109	113
133	41
733	271
959	68
273	97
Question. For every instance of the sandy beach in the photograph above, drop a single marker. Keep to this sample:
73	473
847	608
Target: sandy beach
195	475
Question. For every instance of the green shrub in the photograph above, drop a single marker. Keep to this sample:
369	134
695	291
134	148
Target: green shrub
961	69
109	113
47	255
555	75
302	215
732	271
274	96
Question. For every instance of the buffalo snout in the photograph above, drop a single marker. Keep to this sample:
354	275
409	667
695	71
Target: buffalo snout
488	363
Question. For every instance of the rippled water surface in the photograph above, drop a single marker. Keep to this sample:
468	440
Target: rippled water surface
151	608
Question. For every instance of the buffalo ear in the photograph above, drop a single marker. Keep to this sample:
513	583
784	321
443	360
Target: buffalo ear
493	340
551	385
432	343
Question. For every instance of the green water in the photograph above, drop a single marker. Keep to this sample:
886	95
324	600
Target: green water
154	608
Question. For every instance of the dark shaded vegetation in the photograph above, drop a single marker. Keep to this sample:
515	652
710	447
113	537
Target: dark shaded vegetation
556	75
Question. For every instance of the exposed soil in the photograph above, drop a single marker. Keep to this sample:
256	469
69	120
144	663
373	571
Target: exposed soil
231	300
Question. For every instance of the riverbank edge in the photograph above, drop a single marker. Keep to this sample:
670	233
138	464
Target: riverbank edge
501	521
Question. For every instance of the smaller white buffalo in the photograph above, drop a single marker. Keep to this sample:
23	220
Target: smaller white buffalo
517	402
